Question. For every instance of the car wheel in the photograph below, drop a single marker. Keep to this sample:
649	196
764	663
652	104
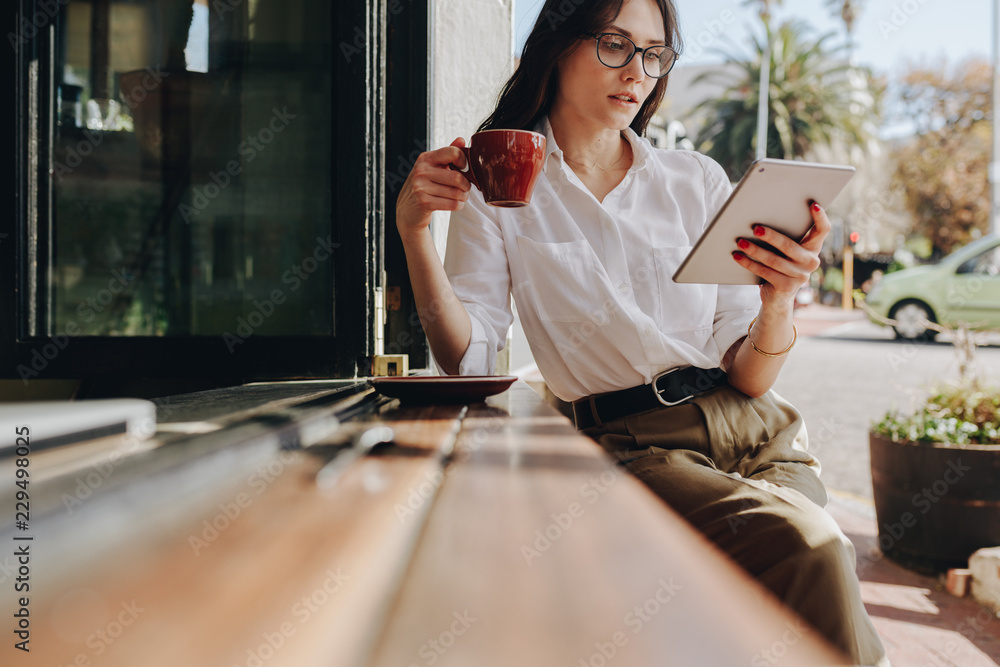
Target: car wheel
910	317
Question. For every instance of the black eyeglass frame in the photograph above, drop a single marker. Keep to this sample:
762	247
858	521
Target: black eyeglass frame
597	38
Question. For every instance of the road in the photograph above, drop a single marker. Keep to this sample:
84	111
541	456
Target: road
845	373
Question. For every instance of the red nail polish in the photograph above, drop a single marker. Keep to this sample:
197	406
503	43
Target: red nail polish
816	207
743	244
759	231
738	256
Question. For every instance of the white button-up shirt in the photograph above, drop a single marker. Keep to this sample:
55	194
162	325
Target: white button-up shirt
592	280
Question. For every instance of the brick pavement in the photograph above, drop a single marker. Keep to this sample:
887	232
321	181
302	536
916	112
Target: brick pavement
921	625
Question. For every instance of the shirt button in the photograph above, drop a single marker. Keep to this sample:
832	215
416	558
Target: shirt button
648	331
623	288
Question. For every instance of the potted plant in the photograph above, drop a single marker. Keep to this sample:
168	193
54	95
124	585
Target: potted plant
936	469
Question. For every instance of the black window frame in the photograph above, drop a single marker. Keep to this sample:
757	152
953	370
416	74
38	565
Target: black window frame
358	219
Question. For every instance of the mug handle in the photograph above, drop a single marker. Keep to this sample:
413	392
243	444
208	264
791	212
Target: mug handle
468	173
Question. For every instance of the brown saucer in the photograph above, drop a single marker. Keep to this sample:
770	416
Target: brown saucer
443	388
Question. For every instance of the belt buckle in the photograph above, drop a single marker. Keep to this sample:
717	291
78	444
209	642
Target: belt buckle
659	393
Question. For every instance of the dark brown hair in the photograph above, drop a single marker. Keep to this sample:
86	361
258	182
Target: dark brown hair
530	92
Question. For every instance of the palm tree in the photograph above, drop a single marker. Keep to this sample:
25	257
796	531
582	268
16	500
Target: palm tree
848	11
764	9
811	101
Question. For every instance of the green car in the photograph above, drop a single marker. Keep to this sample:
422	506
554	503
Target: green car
962	287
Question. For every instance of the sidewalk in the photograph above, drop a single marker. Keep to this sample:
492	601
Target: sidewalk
921	625
817	319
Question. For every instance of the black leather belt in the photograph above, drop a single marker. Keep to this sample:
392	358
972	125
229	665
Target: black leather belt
667	389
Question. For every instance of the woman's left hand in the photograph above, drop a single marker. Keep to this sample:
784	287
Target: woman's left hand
784	276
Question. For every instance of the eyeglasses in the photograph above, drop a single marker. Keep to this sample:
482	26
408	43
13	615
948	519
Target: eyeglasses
616	51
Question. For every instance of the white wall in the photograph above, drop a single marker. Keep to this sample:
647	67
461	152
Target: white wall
472	57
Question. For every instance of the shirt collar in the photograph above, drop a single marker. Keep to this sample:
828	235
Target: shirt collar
640	149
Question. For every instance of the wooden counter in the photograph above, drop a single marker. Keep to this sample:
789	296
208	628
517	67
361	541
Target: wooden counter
490	534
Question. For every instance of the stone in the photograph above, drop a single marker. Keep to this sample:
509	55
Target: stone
985	567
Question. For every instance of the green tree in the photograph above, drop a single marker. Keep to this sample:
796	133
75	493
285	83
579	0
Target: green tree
944	170
813	100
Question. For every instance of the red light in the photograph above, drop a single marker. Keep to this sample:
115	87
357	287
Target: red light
855	237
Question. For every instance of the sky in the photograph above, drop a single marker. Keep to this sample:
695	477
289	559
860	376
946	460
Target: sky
888	32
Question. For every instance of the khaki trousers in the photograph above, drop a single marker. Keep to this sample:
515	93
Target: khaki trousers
738	469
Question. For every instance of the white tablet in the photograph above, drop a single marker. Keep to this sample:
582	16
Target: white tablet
774	193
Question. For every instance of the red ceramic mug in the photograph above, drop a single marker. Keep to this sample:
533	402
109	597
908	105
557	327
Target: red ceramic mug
505	164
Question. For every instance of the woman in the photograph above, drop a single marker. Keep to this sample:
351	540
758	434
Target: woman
589	264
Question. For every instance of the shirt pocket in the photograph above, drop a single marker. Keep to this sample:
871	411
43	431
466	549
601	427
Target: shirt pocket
563	279
682	307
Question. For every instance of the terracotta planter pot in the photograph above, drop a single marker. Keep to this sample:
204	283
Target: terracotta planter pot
936	504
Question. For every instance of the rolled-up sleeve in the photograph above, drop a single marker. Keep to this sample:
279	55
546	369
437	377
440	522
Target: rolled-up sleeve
737	305
476	264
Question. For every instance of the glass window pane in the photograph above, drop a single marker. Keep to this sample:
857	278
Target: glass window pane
192	168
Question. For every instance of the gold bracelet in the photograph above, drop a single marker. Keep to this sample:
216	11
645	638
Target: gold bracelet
795	337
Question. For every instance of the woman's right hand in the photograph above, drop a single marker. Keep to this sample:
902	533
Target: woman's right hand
432	186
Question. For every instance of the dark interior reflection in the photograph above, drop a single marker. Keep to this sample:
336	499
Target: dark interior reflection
191	168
